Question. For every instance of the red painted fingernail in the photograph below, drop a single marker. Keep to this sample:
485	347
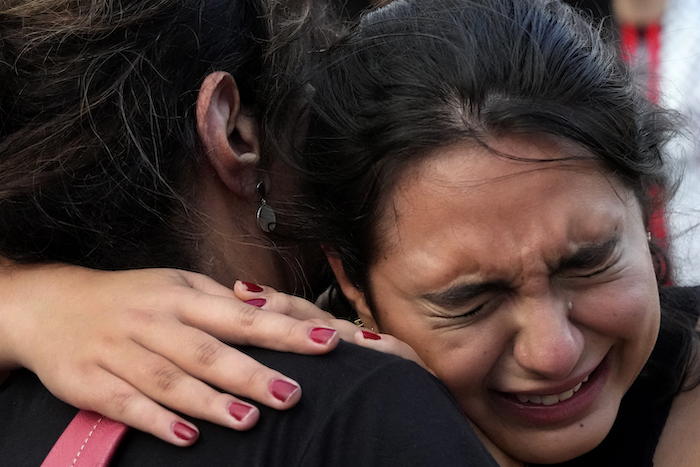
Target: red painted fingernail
371	335
322	335
239	411
252	287
283	390
183	431
259	302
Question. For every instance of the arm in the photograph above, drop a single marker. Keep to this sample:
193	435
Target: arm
128	343
679	444
302	309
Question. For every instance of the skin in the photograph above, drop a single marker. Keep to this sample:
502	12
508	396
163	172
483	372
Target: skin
134	344
485	254
138	342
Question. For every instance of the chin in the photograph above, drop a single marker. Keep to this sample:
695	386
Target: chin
559	444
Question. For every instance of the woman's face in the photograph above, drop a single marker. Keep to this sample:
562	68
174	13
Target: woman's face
483	256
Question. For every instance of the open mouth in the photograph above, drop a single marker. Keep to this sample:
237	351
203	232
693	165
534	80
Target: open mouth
551	399
553	409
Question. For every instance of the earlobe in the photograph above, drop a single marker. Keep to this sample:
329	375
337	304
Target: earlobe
228	136
354	296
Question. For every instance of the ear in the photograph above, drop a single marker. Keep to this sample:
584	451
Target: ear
356	298
228	136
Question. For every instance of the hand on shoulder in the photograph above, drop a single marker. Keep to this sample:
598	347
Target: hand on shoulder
128	344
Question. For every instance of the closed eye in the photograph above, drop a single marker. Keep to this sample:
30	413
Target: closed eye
457	296
464	302
471	313
596	273
596	257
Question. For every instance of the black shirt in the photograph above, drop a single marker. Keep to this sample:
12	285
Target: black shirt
358	408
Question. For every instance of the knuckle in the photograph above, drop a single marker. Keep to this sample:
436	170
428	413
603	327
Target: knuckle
207	353
211	403
120	401
291	332
247	318
280	303
255	378
166	378
289	303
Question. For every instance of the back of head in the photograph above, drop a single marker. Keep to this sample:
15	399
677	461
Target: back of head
427	75
98	140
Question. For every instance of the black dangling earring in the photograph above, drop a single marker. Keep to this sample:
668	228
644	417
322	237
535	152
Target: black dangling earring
267	220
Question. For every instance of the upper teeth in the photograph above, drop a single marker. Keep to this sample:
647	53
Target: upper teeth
552	398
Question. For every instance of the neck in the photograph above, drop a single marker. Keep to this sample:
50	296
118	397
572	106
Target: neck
639	13
3	376
234	247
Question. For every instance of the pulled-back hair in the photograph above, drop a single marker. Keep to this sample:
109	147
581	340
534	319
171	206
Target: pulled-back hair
98	140
418	76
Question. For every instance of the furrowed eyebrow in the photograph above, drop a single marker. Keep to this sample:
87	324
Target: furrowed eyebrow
456	296
588	256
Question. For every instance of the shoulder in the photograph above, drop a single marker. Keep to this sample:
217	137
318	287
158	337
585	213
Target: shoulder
679	444
358	408
375	409
348	368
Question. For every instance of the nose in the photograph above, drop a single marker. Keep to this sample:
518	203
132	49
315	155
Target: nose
547	341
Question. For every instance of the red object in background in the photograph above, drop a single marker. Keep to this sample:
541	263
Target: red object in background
631	36
651	35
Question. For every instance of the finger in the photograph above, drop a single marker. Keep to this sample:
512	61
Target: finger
115	398
388	344
346	329
236	322
279	302
194	355
166	383
295	307
206	284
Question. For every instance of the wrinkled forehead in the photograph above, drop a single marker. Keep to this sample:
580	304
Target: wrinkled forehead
507	188
497	158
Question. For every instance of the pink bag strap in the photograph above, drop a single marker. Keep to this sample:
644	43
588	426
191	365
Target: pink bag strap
88	441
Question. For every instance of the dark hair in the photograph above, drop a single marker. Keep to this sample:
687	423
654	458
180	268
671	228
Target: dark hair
416	76
98	140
